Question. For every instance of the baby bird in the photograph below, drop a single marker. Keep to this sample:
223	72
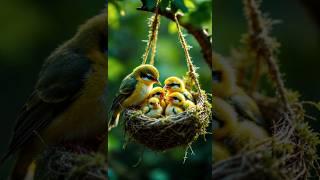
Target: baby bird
159	93
225	86
134	89
175	102
175	84
188	105
153	108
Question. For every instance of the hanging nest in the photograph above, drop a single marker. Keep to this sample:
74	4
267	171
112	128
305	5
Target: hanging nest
164	133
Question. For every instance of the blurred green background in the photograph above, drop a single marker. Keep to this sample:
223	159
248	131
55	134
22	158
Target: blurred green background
30	31
127	30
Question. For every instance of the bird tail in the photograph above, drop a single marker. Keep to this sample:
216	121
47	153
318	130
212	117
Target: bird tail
114	119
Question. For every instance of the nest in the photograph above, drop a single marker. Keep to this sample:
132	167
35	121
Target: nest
164	133
59	163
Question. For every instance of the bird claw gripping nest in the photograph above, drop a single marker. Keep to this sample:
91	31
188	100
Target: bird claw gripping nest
164	133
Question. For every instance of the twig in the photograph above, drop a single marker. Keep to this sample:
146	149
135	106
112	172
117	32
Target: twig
201	35
259	42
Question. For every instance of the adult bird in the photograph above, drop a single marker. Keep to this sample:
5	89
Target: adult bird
68	102
134	89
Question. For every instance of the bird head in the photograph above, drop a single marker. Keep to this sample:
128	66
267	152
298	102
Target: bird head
174	84
147	74
223	76
93	34
154	103
157	92
176	98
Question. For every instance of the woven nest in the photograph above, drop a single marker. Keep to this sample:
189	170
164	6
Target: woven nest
59	163
164	133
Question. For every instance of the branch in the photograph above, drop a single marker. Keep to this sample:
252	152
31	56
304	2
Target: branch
201	35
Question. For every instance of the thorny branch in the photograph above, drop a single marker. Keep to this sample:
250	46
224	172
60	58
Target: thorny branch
201	35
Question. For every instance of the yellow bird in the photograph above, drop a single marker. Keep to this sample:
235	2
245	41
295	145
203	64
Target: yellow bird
159	93
175	84
188	105
134	89
175	102
153	108
240	133
246	134
219	152
225	86
68	103
225	119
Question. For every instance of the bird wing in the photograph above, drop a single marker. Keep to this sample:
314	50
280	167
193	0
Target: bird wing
247	109
127	87
60	82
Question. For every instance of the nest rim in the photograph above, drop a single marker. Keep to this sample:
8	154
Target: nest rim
167	132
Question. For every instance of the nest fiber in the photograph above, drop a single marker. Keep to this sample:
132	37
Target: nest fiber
164	133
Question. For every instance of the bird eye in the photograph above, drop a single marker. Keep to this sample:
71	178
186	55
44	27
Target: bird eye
147	76
175	98
175	84
158	93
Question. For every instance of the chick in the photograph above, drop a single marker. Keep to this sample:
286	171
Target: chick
175	102
159	93
175	84
224	86
247	133
219	152
67	103
238	133
153	108
134	89
226	118
188	105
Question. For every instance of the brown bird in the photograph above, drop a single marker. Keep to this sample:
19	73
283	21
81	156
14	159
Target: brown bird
68	102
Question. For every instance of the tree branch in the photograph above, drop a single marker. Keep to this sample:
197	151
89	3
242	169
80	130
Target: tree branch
201	35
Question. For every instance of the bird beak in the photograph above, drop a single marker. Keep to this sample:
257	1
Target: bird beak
158	82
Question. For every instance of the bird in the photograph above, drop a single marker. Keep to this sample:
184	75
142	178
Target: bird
175	103
231	129
175	84
219	152
159	93
133	91
225	118
153	108
224	85
246	134
188	105
68	101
